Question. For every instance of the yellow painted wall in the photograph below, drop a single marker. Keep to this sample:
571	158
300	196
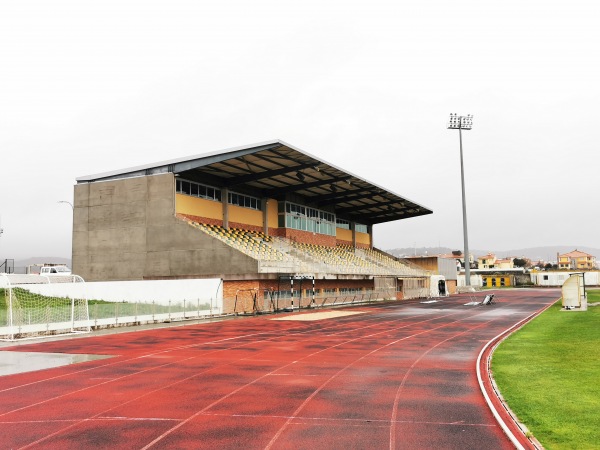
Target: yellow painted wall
343	234
487	281
272	221
346	235
363	238
194	206
245	215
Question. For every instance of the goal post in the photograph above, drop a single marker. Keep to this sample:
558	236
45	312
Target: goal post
37	306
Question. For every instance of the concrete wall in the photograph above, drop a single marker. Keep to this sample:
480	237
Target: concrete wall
159	291
127	230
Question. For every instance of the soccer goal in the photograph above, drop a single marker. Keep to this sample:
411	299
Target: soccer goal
35	306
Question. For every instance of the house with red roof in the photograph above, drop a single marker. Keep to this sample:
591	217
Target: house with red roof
576	260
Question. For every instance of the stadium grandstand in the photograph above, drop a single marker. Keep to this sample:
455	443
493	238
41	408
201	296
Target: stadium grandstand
259	217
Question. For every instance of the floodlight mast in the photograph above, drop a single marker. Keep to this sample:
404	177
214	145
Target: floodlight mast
68	203
460	123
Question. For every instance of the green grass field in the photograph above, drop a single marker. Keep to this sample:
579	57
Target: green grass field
549	373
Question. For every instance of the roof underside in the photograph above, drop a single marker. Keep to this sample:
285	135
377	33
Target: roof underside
276	170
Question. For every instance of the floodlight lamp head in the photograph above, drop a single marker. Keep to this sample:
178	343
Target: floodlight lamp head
300	176
453	122
457	122
466	122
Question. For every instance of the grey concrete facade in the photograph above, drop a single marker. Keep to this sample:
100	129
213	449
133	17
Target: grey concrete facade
127	230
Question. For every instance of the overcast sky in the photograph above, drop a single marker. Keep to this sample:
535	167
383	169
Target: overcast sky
93	86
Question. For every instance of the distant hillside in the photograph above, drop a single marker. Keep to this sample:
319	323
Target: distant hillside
535	253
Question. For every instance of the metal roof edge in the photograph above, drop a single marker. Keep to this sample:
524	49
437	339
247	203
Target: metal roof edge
143	167
140	170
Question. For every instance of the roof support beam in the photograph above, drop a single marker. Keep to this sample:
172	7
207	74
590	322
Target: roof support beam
268	174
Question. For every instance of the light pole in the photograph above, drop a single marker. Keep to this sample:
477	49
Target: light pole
463	123
68	203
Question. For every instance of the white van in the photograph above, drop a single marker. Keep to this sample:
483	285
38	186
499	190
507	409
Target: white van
55	270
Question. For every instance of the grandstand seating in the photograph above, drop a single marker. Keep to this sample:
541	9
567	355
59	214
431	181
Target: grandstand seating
282	254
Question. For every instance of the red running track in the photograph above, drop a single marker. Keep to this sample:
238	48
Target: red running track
397	375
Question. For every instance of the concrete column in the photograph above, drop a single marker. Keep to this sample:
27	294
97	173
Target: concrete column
353	228
225	202
264	206
370	231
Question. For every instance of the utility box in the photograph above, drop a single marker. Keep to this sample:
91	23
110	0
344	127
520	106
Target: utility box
573	293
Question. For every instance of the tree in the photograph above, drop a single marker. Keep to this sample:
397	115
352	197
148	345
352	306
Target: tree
520	262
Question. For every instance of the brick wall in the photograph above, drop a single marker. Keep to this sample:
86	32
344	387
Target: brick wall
199	219
244	226
310	237
231	287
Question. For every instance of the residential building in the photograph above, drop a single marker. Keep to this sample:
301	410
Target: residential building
576	260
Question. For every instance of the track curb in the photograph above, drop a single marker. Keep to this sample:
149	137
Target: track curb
508	421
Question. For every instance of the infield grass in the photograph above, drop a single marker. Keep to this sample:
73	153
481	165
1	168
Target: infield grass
549	373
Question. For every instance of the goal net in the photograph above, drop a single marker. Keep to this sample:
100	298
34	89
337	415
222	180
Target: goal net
37	305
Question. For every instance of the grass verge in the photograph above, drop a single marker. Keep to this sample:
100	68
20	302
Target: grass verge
549	373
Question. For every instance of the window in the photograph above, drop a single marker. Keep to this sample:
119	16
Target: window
360	228
341	223
350	291
244	201
303	218
198	190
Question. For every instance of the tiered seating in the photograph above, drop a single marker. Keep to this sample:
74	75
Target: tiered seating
339	259
348	252
252	243
384	260
277	253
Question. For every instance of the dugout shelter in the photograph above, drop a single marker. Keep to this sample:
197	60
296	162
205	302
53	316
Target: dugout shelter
248	215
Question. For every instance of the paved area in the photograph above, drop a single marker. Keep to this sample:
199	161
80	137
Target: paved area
397	375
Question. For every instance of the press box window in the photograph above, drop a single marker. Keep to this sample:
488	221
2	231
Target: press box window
244	201
198	190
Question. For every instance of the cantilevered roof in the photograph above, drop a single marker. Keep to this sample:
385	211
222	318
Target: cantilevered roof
275	169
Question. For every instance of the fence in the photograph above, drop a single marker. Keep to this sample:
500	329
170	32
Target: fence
113	314
107	314
273	301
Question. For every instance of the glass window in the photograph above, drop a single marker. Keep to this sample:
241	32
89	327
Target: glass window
197	190
304	218
360	228
341	223
243	200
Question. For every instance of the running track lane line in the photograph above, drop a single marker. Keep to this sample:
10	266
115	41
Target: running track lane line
408	372
203	410
181	347
185	359
320	388
222	365
75	423
521	442
167	350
